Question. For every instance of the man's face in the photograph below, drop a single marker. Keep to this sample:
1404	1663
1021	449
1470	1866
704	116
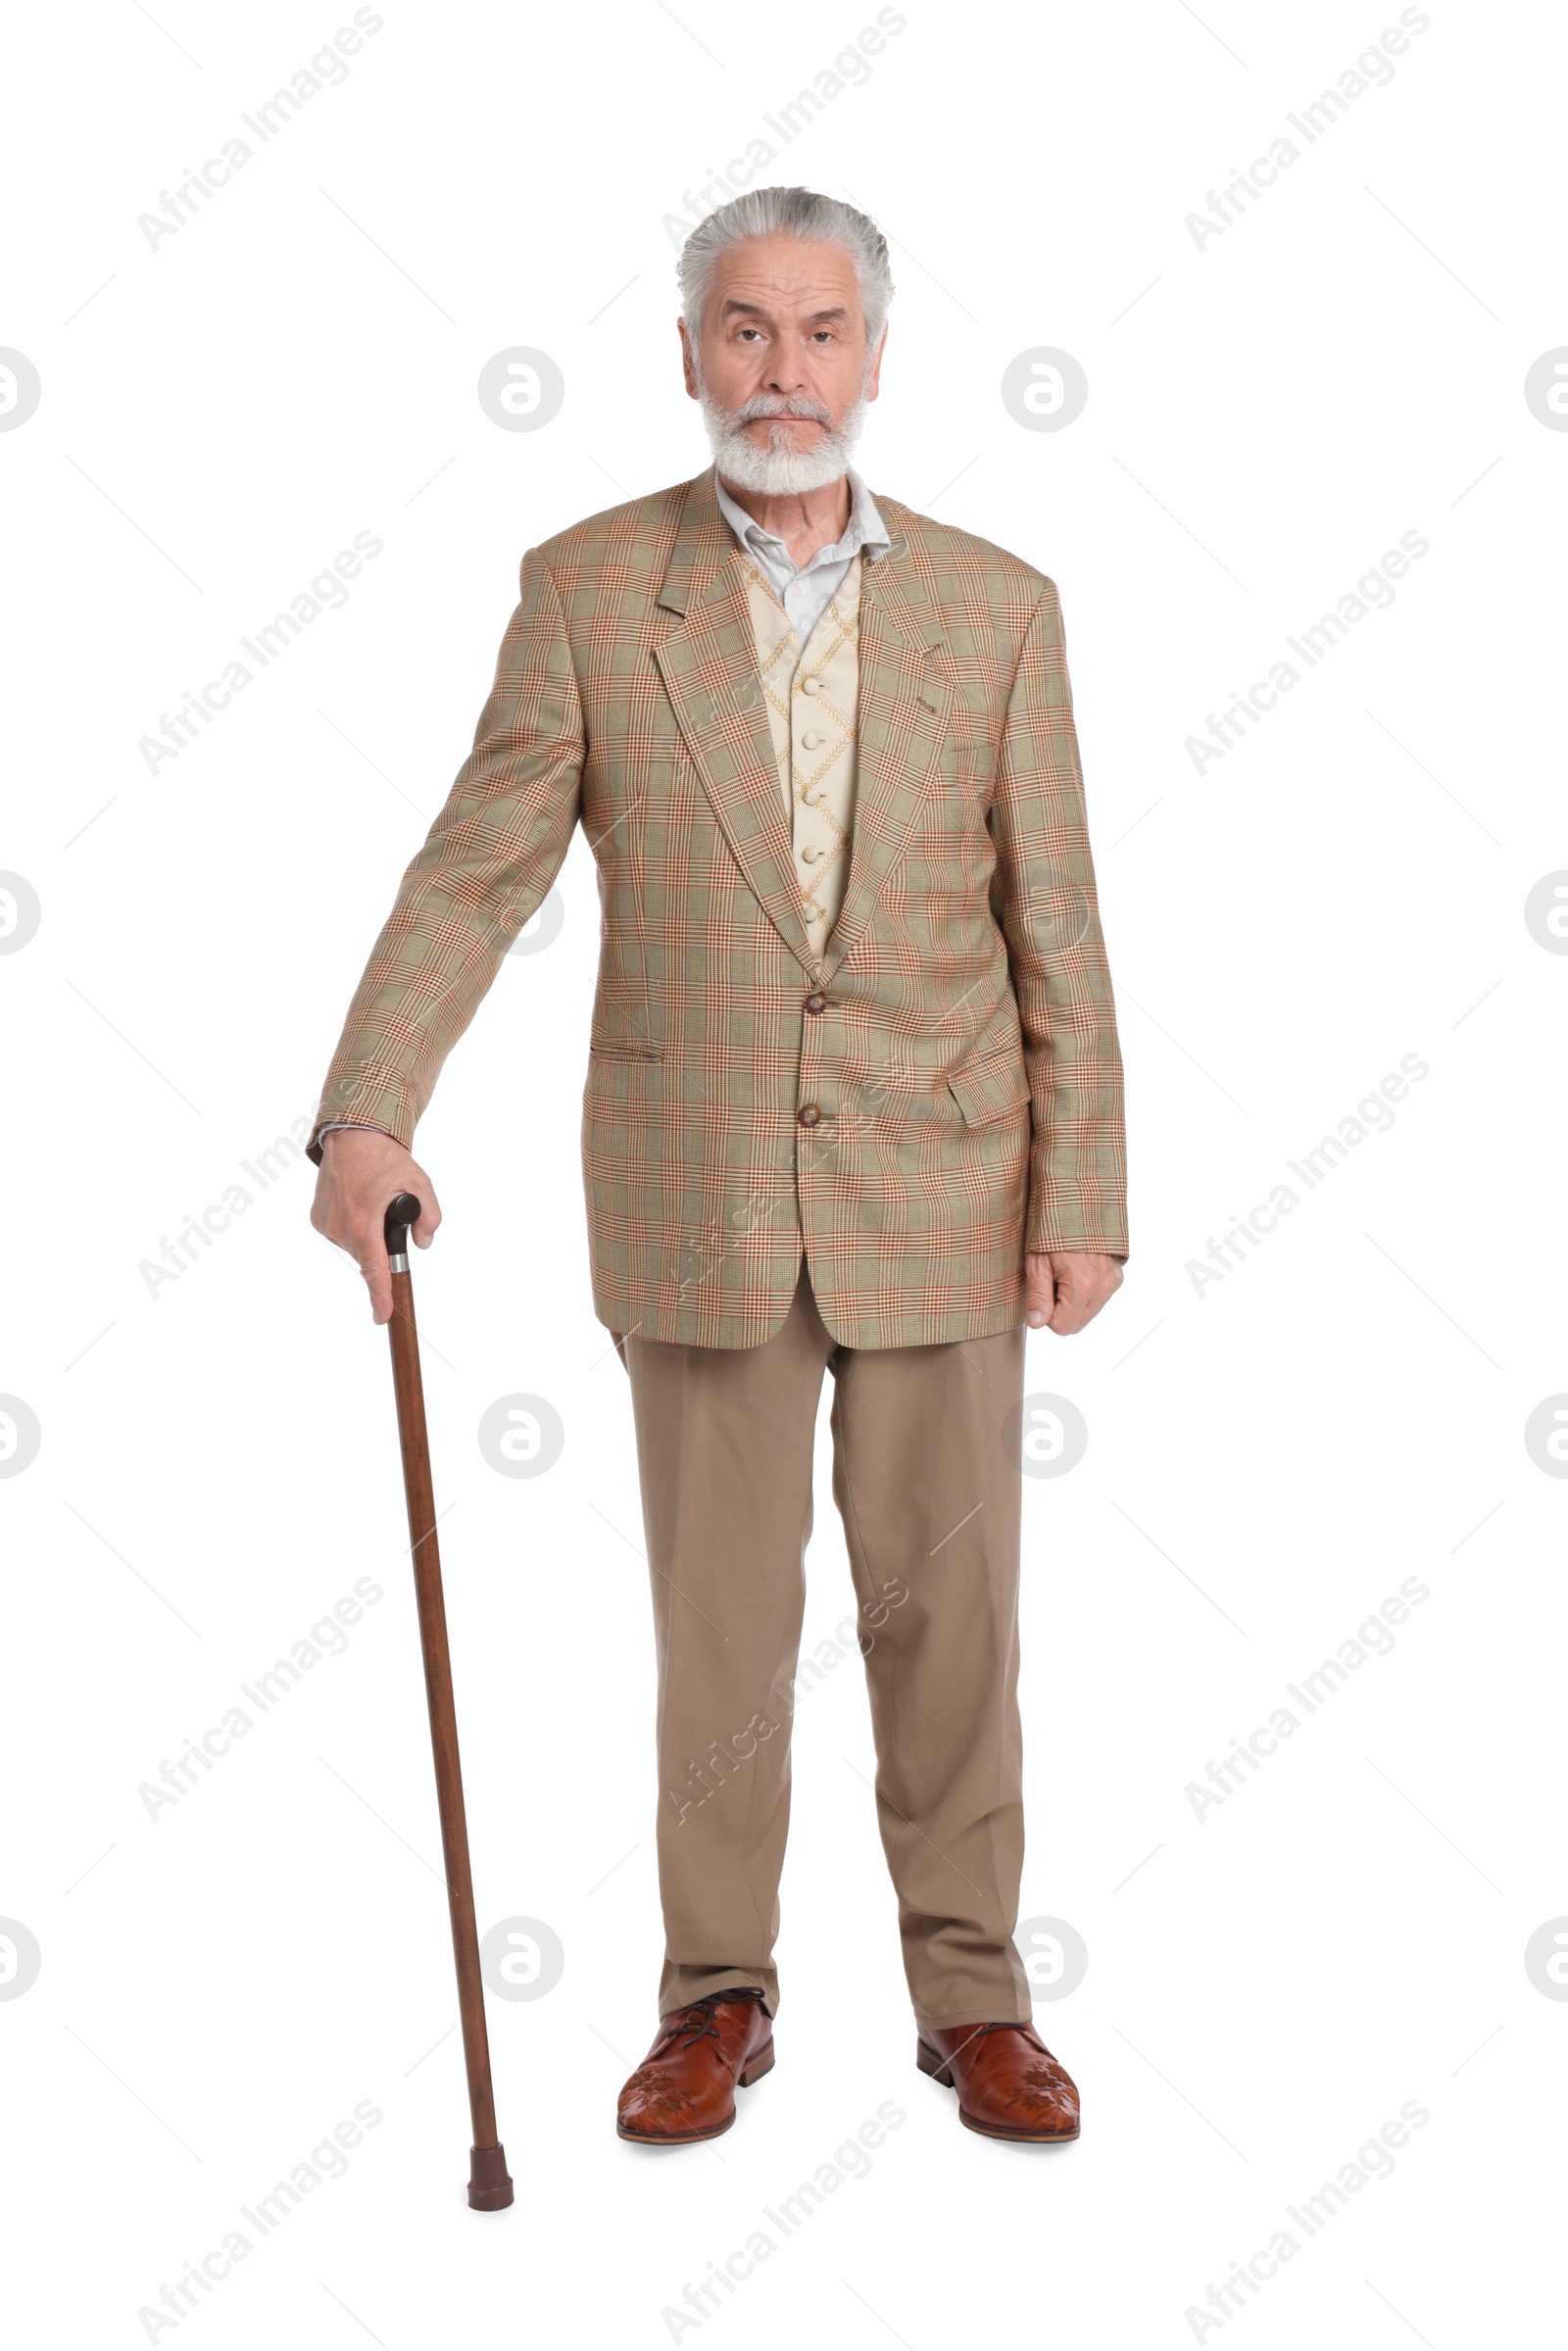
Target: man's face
782	368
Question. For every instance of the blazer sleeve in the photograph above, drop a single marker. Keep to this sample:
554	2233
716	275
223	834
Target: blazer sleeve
1050	914
487	862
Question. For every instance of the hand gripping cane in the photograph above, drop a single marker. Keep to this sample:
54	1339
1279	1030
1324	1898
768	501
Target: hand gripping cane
489	2183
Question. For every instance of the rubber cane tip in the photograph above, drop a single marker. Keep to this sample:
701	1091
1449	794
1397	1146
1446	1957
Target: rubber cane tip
489	2181
401	1213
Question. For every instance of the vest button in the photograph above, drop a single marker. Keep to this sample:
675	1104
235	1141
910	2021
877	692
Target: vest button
816	1002
811	1116
810	685
809	741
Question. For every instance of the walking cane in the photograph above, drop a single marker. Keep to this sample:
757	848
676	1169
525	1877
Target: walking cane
489	2183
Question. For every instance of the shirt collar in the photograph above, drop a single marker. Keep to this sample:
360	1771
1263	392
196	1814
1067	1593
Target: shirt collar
865	533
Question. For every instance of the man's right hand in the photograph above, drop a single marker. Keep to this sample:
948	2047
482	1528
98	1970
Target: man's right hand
361	1172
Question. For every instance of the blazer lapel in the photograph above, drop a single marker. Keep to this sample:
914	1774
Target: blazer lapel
902	723
709	667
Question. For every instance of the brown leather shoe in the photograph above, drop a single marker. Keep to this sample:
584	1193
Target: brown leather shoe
684	2090
1009	2083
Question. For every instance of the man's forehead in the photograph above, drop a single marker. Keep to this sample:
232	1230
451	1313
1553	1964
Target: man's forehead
787	275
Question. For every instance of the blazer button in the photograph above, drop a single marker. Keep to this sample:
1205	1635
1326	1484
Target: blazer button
811	1116
816	1002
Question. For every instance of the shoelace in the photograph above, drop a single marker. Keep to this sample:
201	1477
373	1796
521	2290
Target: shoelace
1028	2032
700	2018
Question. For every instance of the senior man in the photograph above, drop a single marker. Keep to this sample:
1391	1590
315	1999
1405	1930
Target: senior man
854	1104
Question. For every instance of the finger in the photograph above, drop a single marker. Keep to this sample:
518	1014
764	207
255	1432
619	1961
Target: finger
429	1217
378	1274
1074	1307
1064	1297
1084	1307
1040	1296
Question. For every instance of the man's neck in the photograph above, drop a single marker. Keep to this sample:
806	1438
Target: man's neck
804	520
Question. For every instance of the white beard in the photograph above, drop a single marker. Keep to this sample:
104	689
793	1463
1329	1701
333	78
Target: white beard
777	470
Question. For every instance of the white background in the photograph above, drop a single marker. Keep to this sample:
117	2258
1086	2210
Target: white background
1267	1984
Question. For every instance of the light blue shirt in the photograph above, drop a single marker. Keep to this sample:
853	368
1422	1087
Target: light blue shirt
807	592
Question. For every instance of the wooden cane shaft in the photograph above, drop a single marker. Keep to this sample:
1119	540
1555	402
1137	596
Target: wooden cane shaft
410	1389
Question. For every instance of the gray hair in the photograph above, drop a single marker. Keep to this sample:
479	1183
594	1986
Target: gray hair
789	212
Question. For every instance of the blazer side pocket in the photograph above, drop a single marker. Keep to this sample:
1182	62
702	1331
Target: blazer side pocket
990	1084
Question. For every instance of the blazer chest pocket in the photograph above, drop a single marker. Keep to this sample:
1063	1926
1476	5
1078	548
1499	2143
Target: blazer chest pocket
991	1083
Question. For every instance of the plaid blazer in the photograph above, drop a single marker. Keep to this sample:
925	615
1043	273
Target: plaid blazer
938	1093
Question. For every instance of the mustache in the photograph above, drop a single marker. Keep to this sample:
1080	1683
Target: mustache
779	404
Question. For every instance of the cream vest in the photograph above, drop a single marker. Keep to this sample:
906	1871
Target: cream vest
811	691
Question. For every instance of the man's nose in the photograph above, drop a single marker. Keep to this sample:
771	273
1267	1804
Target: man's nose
791	385
788	373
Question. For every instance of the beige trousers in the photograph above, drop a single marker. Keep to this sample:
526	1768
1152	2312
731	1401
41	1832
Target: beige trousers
931	1507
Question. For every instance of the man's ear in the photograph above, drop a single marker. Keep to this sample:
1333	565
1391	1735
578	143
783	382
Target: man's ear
687	366
873	381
